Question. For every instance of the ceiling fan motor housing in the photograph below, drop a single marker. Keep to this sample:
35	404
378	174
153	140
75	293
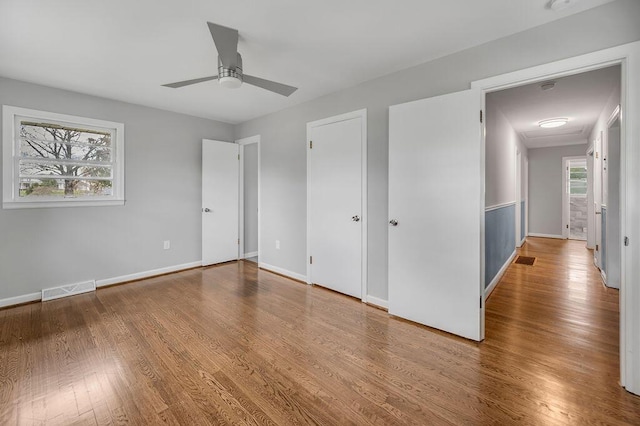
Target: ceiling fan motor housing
230	78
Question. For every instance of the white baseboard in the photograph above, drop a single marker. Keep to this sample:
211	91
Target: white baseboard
252	254
494	282
34	297
25	298
524	240
381	303
147	274
281	271
535	234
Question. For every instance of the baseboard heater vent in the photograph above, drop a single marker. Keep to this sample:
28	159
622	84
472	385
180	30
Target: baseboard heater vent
68	290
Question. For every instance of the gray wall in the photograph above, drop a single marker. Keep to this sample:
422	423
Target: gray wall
283	134
48	247
500	155
545	187
500	187
250	198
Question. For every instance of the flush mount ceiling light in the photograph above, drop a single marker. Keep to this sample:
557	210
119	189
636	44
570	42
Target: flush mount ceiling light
553	122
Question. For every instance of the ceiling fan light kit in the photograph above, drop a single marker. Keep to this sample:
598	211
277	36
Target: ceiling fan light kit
230	78
230	73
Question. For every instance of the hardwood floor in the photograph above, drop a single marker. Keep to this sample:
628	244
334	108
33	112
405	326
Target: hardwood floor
236	345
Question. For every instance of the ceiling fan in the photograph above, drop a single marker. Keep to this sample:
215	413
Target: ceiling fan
230	73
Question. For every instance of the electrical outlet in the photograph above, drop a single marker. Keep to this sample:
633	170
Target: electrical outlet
278	244
167	244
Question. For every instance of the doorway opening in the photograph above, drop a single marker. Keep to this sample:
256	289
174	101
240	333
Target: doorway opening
574	204
562	127
249	190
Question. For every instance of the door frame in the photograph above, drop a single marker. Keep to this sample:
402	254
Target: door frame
362	114
525	176
591	231
566	199
628	57
242	143
518	196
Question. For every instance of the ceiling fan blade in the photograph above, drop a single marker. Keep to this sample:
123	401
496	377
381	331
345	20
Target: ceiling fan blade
226	40
279	88
188	82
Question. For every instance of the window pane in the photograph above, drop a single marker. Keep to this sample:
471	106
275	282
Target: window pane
54	141
578	180
58	150
64	188
31	168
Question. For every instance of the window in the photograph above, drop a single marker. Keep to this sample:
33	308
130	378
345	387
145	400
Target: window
55	160
578	179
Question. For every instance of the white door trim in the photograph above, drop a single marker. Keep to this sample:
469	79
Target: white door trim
566	200
526	198
628	56
244	142
518	197
362	114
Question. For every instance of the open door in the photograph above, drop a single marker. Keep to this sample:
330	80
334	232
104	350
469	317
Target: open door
436	205
220	206
597	199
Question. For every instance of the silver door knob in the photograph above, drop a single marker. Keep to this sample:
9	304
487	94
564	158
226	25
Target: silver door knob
355	218
206	210
393	222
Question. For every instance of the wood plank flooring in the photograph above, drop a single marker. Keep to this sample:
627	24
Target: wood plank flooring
236	345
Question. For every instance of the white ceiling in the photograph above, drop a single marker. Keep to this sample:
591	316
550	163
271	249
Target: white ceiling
580	98
125	49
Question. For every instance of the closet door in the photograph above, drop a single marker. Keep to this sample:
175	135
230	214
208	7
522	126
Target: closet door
335	202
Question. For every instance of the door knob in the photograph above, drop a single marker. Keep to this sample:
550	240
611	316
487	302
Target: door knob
355	218
393	222
206	210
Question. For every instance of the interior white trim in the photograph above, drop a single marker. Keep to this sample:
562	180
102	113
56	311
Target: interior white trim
381	303
362	114
628	57
147	274
250	254
18	300
494	282
499	206
282	271
243	142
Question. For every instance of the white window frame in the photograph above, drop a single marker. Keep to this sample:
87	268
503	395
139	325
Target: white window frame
10	155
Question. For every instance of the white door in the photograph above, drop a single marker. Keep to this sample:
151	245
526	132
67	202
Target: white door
436	202
597	198
220	211
335	204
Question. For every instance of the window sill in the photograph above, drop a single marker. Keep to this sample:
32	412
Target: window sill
47	204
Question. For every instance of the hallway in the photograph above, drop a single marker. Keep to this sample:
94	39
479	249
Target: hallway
563	323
